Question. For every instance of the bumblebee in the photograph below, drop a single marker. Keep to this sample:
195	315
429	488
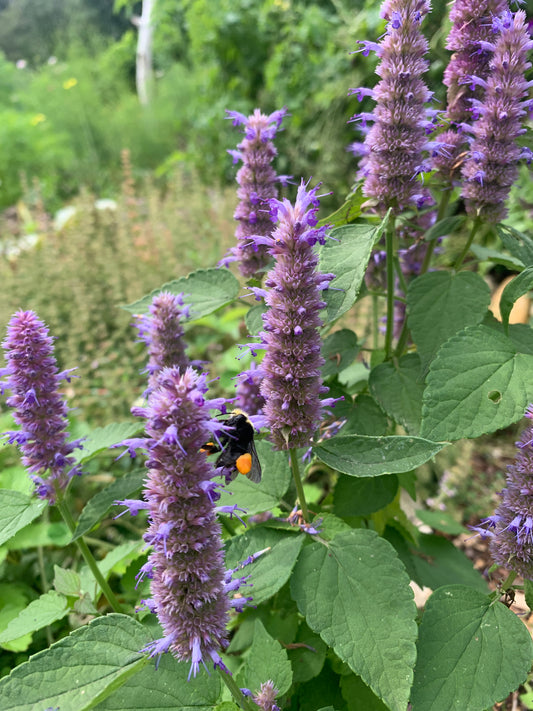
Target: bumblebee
238	450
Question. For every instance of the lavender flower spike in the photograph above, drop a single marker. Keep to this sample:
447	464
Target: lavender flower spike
257	184
292	382
492	165
395	142
468	38
190	584
162	332
511	527
40	410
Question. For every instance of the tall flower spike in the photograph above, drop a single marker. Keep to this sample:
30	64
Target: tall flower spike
469	36
257	184
492	165
190	584
394	144
292	382
33	380
162	332
510	528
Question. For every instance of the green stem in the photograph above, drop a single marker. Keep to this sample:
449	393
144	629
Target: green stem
402	340
375	322
468	244
298	482
508	582
238	696
389	241
440	215
89	558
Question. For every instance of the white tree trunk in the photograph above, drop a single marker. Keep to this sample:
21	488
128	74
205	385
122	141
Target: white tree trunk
143	71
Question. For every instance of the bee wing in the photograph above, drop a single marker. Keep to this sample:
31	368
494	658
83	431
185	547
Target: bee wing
255	472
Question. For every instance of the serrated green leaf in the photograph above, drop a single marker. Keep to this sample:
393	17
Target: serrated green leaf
472	652
363	496
517	287
491	255
440	304
253	318
339	351
446	226
348	212
519	244
204	290
17	511
99	505
66	582
267	660
48	608
117	560
102	438
165	688
79	670
41	533
362	455
355	593
270	490
347	259
366	416
478	383
398	387
270	571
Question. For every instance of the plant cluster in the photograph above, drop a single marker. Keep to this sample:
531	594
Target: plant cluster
292	587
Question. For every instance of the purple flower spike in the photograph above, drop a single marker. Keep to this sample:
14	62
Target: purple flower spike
162	332
492	167
265	698
292	383
472	51
40	410
248	393
189	583
510	529
257	184
395	142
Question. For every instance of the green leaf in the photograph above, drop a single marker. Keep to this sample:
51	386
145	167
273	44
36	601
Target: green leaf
41	534
346	256
99	505
270	490
440	304
17	511
363	496
491	255
355	593
361	455
472	652
79	670
102	438
435	561
307	654
441	521
528	593
48	608
348	212
267	660
358	696
519	244
366	418
398	387
164	689
444	227
478	383
517	287
204	290
270	571
66	582
339	351
253	320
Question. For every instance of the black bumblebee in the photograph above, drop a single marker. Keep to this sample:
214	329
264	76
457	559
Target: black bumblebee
238	450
